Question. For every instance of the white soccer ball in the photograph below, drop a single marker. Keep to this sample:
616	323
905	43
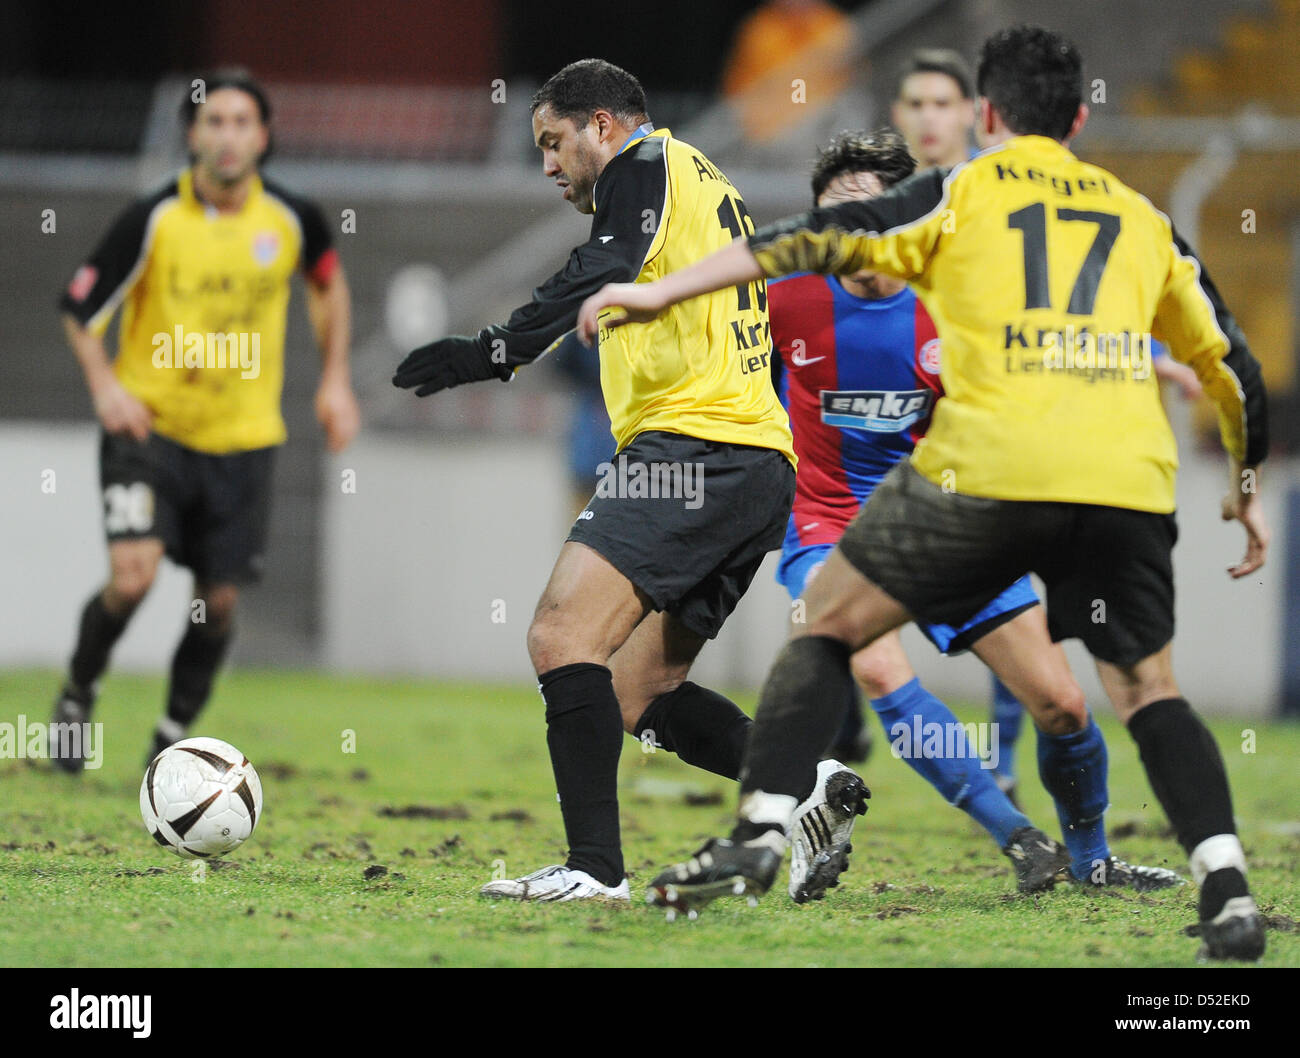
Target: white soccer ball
200	798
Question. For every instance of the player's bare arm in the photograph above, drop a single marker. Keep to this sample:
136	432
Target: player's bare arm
828	239
117	410
329	306
642	302
1242	503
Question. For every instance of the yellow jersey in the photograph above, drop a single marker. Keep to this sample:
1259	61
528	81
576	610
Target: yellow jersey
204	297
703	368
1046	278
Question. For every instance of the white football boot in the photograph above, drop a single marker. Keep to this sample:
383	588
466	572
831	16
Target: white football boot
552	884
820	831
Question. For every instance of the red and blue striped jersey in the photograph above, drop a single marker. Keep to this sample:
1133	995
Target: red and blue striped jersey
859	379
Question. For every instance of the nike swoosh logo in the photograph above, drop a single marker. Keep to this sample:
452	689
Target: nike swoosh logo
605	238
799	359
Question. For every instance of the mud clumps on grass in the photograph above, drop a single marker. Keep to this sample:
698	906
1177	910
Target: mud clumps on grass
896	912
423	811
447	846
277	769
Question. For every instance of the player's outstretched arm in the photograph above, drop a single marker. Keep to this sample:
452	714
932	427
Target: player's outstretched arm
839	238
642	302
615	252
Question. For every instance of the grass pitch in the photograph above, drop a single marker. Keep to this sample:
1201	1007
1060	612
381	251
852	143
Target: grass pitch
374	857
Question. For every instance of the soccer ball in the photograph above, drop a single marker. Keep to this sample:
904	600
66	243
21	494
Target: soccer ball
200	797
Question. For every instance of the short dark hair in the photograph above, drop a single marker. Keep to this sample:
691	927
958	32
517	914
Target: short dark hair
937	60
228	77
883	152
588	85
1033	78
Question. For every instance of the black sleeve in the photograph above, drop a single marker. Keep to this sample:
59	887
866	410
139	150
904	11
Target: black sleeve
622	232
316	239
1239	360
104	276
800	243
778	369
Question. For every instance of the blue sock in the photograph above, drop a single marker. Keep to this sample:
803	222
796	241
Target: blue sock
1073	770
1007	714
917	726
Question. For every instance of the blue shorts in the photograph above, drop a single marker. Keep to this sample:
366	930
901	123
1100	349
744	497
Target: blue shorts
797	566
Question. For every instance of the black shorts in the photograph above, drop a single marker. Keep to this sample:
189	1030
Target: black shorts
945	556
210	511
688	521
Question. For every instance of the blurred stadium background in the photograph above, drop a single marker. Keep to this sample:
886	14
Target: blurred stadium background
415	117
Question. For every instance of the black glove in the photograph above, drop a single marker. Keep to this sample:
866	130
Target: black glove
446	363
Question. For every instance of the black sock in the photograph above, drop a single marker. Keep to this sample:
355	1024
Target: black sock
801	707
584	732
854	721
1185	769
98	632
194	667
700	726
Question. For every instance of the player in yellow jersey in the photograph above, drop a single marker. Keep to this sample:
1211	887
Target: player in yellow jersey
1046	278
934	109
190	405
698	493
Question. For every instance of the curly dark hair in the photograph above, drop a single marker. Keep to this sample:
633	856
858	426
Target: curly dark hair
883	152
1033	78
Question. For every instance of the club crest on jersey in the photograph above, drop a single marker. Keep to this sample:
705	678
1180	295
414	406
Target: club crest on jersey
266	247
879	411
928	358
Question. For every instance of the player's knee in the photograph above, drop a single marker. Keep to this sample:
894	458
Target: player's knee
219	606
130	582
552	643
831	624
1065	712
876	676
